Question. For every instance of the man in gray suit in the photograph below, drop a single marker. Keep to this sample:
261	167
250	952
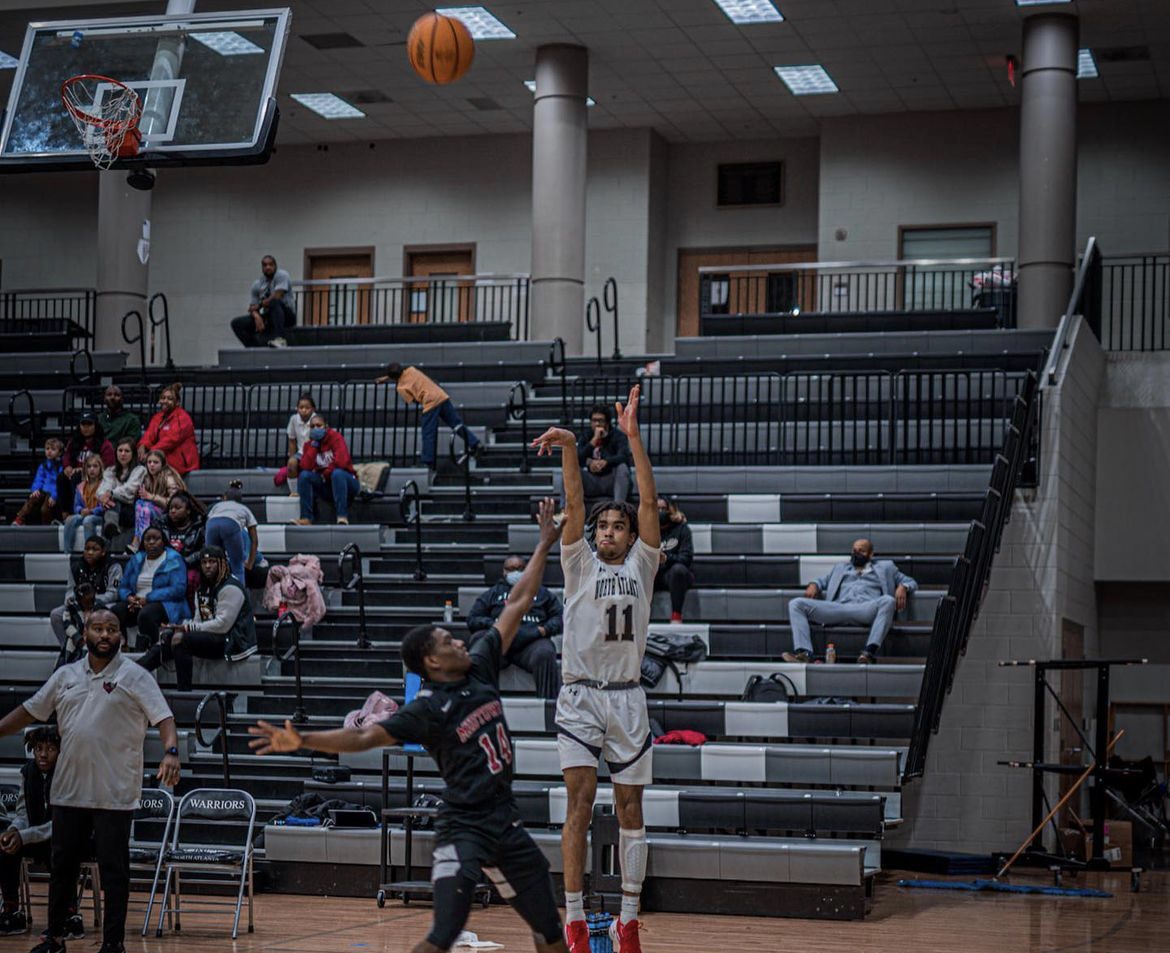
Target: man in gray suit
859	592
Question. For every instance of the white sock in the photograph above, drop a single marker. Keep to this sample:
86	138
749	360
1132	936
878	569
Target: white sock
629	908
574	905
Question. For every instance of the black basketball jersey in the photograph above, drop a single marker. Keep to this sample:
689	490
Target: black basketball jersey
461	724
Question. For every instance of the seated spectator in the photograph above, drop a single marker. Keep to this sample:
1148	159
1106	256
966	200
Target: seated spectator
298	436
861	591
184	525
326	466
94	582
87	508
153	592
414	387
158	485
84	442
231	526
42	505
172	432
675	557
223	626
30	829
604	454
271	309
119	490
533	649
116	421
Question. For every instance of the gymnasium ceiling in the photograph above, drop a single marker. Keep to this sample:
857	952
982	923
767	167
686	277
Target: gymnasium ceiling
678	66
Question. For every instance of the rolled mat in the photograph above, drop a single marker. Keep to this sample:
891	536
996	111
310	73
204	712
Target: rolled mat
973	886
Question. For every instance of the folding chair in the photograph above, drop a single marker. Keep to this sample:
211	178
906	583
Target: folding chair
209	804
88	877
145	858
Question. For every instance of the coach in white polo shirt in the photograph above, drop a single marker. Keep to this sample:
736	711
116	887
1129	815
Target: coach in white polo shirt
104	704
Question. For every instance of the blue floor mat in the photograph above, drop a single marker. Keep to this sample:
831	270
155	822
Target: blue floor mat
974	886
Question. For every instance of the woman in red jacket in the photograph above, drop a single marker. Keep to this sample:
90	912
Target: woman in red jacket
172	432
326	465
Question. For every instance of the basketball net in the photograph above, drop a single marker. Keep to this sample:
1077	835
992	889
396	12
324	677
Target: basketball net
108	125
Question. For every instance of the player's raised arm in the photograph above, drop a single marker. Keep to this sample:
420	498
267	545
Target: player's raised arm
627	416
271	739
574	526
520	598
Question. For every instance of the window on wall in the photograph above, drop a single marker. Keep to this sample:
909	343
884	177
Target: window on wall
943	286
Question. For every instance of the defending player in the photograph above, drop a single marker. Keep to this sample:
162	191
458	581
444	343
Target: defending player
601	711
459	718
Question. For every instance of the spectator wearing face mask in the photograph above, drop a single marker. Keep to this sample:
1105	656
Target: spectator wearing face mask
533	649
326	467
675	557
862	591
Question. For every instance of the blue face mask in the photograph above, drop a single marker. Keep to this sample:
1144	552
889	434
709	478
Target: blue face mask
317	433
513	577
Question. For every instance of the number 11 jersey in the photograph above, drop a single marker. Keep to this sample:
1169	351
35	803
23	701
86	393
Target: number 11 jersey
607	612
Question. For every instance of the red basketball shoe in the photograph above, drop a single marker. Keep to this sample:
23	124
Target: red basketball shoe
577	936
624	937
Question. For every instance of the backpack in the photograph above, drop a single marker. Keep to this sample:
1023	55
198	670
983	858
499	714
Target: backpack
665	652
770	689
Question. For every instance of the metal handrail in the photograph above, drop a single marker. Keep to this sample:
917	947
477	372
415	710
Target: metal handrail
20	424
558	364
464	461
593	323
140	340
287	620
165	320
1060	339
841	265
610	296
221	701
409	492
404	279
357	580
518	410
90	377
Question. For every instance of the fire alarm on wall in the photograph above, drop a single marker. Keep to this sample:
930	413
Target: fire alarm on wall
1012	66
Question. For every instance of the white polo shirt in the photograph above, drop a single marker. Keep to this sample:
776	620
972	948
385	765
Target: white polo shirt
102	717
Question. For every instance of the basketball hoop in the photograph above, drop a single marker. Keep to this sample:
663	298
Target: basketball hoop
106	113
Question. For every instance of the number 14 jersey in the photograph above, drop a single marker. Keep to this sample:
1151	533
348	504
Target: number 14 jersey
607	612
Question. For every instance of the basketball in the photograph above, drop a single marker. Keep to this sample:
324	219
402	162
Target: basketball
440	48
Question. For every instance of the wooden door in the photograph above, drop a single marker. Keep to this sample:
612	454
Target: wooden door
437	300
342	303
743	297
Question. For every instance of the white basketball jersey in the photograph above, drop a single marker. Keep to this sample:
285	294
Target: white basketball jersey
607	612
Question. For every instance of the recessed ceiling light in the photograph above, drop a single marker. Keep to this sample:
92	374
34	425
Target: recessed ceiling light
479	22
8	62
531	84
1086	65
227	43
328	105
750	11
806	80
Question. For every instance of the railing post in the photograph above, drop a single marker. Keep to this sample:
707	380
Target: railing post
287	620
409	494
465	462
518	410
90	377
356	580
140	340
557	364
610	293
593	323
165	320
221	701
19	424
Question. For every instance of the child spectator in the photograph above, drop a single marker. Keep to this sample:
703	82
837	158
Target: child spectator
326	466
298	436
414	387
87	440
119	490
87	508
172	431
41	505
95	582
185	524
159	484
231	526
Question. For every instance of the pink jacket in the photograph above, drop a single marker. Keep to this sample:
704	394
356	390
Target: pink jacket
298	587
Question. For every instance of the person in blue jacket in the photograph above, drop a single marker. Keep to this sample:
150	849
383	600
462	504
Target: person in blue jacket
153	592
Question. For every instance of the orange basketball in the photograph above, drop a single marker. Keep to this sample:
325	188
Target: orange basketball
440	48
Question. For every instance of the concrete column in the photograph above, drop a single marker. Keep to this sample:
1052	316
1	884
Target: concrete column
1048	168
559	139
122	277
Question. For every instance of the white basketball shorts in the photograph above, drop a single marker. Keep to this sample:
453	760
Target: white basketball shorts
595	723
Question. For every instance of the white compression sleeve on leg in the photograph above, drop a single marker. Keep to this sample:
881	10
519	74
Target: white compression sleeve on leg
632	845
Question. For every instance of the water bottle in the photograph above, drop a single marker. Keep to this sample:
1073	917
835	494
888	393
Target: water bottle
830	654
448	611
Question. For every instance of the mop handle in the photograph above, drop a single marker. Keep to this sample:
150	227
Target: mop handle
1059	804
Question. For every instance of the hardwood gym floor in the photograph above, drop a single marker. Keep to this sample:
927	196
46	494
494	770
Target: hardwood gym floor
901	921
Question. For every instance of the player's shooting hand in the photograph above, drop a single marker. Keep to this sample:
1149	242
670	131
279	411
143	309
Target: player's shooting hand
549	530
272	740
627	416
552	438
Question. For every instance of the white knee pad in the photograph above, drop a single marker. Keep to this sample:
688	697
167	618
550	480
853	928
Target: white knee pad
632	845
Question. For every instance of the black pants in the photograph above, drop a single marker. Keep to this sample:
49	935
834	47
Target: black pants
191	646
149	620
73	827
678	579
277	316
10	870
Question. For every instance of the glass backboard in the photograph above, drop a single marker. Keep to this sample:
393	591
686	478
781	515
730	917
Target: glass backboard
207	83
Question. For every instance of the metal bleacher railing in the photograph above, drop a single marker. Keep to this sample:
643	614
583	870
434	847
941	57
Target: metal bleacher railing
803	418
72	309
415	299
1128	302
850	287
